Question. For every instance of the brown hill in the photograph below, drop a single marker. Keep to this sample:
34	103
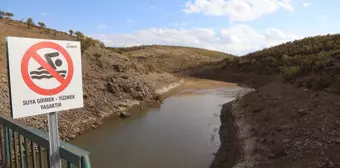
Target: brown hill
172	59
114	79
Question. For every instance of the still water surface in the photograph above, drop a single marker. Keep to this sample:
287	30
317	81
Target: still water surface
181	133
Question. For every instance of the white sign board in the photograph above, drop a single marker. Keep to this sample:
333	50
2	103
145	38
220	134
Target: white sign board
44	76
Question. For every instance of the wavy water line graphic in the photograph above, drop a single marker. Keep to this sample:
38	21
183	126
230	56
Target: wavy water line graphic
45	76
44	72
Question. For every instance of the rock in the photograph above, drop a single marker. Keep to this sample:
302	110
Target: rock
336	140
72	136
157	97
257	109
284	127
90	104
124	114
118	68
286	140
112	88
127	89
139	88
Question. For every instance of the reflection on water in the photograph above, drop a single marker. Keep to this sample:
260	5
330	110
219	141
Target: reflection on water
182	133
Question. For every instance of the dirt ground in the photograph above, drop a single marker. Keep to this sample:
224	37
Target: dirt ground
287	126
293	127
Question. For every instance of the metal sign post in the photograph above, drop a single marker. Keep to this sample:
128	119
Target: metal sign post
55	161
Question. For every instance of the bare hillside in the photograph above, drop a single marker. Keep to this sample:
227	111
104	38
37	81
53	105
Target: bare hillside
112	82
172	59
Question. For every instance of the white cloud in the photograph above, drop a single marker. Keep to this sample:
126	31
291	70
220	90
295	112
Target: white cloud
238	39
237	10
102	26
44	14
306	4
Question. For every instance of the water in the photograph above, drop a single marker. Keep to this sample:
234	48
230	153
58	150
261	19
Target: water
181	133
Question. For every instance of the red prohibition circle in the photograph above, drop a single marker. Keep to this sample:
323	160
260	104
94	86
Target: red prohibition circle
32	53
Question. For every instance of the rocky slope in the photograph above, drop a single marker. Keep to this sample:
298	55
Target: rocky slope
112	82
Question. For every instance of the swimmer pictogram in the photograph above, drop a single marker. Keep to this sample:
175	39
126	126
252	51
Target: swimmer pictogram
41	72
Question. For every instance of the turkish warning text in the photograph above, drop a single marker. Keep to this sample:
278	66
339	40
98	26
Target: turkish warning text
48	102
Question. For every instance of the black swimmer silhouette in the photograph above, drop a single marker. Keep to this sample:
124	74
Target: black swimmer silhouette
57	63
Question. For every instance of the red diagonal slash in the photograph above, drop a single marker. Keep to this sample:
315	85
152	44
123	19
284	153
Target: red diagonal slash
48	68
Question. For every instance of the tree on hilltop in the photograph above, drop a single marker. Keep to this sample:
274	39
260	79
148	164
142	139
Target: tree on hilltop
8	14
2	14
71	32
79	35
29	22
42	24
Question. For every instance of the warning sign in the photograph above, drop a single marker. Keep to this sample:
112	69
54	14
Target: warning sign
44	76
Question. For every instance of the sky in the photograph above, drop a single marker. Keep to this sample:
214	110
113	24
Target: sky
232	26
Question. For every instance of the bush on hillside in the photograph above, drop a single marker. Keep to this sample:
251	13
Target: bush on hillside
101	44
79	35
42	24
2	14
30	22
289	71
71	32
6	15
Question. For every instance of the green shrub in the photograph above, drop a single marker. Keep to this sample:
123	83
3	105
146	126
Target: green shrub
79	35
101	44
30	22
6	15
289	71
42	24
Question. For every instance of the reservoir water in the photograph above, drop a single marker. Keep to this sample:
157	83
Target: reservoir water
181	133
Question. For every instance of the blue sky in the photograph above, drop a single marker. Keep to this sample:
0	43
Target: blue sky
233	26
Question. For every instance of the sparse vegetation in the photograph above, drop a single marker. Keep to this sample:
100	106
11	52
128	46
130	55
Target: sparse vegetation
42	24
79	35
2	14
71	32
87	42
30	22
101	44
300	62
289	71
6	15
